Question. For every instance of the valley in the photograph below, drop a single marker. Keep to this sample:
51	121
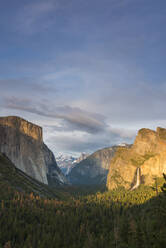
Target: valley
116	218
82	124
40	214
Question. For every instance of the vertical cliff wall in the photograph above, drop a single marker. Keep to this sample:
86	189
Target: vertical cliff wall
22	142
147	153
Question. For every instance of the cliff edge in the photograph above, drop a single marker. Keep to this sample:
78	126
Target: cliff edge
22	142
147	153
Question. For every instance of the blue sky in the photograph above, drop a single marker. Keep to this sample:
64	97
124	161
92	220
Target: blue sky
90	72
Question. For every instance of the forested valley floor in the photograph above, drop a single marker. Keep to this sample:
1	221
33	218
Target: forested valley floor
119	219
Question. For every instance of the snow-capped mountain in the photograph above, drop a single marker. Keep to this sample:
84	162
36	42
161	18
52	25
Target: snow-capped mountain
82	157
66	163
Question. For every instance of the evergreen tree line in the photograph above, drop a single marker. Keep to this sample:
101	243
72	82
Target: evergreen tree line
120	219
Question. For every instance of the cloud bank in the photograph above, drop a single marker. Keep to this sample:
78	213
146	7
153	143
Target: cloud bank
90	72
75	130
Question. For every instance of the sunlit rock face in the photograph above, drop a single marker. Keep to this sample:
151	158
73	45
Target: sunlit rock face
93	169
23	126
22	142
148	153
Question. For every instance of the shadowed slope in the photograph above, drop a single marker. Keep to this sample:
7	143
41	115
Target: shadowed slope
93	169
10	176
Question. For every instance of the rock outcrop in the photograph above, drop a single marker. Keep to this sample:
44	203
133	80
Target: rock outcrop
93	169
147	153
22	142
23	126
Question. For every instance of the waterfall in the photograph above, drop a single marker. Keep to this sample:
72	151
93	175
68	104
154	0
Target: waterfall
138	175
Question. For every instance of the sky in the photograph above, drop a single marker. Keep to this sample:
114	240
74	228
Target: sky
91	73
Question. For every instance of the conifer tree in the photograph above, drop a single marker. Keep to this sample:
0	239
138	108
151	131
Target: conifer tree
164	185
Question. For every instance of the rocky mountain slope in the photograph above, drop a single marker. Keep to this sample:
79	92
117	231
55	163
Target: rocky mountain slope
22	143
12	177
93	169
148	153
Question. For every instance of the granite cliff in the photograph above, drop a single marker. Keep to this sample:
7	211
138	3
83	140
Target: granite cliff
15	179
148	153
93	169
22	142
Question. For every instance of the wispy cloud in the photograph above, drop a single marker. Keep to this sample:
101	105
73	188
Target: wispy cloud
21	87
62	135
77	130
76	142
76	118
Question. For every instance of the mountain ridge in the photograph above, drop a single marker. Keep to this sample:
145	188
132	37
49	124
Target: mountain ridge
93	169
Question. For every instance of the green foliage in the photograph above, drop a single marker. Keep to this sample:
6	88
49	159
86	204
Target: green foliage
117	218
115	177
10	176
139	160
32	216
164	185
